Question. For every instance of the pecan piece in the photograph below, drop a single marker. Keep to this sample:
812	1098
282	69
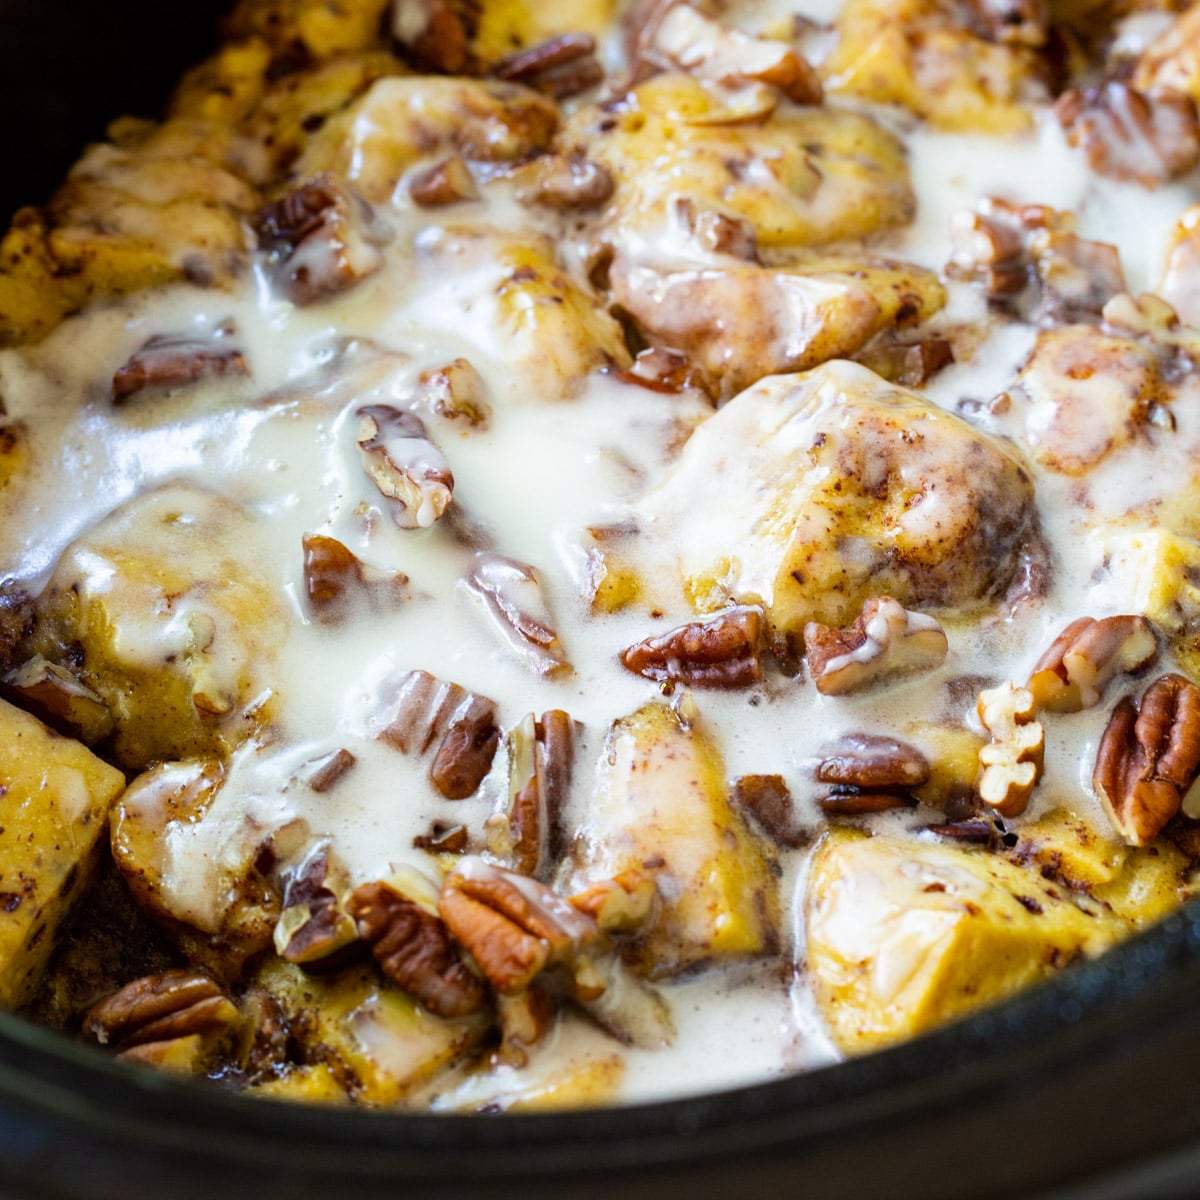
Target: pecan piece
767	799
561	66
323	773
321	238
1081	662
1149	758
719	652
661	370
870	773
1012	762
400	457
526	834
514	927
511	593
885	639
156	1009
911	364
314	930
438	35
622	904
686	40
334	574
412	945
569	181
174	362
1147	137
457	392
447	182
443	839
850	802
56	697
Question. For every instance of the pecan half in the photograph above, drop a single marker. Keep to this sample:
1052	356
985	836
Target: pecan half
334	575
1081	662
56	697
314	930
1149	757
850	802
686	40
456	392
885	639
511	593
767	799
870	761
1012	762
405	465
526	834
163	1008
1147	137
173	362
321	238
514	927
718	652
412	946
561	66
447	182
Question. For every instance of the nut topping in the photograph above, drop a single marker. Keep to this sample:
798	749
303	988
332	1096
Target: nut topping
447	182
322	774
514	927
767	799
869	761
405	465
569	181
174	362
321	238
718	652
527	833
457	392
412	946
1086	656
885	639
162	1008
334	575
314	930
1147	137
622	904
512	596
562	66
422	711
56	697
437	34
1149	758
1012	762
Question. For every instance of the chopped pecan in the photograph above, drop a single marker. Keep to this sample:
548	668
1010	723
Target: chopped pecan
1150	320
322	774
1149	757
562	66
514	927
870	761
457	391
1077	276
163	1008
405	465
511	593
976	831
173	362
767	799
334	575
438	35
885	639
56	697
1086	656
447	182
1012	762
850	802
1147	137
661	370
911	364
421	710
525	1018
622	904
686	40
569	181
526	834
443	839
314	930
322	239
719	652
716	232
412	946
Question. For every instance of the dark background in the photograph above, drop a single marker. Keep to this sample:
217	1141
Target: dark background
67	68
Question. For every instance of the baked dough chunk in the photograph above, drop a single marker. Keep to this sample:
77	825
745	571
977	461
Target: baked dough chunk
903	937
159	610
54	802
809	493
662	807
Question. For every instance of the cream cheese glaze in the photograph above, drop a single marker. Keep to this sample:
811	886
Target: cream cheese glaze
567	446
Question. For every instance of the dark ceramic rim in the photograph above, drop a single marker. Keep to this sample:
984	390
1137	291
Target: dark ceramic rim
1055	1072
